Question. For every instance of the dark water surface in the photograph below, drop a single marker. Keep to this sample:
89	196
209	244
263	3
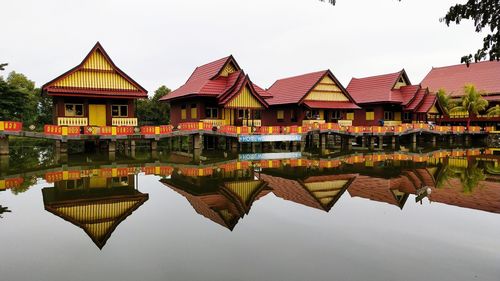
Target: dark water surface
378	216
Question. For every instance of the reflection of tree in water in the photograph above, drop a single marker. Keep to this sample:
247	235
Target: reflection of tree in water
469	176
3	210
25	156
27	183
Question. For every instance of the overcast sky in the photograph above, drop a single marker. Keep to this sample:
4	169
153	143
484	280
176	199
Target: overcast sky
161	42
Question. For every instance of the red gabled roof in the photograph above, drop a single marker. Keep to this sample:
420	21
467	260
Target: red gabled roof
377	89
418	97
206	81
408	93
428	101
484	75
294	89
98	92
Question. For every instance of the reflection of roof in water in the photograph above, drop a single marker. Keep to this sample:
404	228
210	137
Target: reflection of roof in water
225	205
320	192
97	216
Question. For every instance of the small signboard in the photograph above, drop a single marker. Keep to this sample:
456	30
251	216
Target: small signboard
269	138
269	156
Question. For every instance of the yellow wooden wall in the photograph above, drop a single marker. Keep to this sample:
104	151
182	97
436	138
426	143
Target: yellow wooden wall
228	69
244	189
326	90
244	99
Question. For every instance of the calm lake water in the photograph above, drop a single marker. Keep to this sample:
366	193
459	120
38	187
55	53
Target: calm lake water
433	215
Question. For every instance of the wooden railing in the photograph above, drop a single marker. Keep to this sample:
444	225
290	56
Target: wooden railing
252	123
72	121
124	122
215	122
392	123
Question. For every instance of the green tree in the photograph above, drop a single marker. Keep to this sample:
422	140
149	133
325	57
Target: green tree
486	16
472	102
151	111
445	100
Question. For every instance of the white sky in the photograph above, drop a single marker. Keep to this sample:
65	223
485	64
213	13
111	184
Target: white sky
161	42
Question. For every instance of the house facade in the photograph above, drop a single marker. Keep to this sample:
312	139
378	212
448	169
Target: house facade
316	97
94	93
391	100
219	93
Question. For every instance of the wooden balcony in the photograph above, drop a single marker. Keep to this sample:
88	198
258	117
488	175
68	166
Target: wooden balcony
215	122
252	123
72	121
131	122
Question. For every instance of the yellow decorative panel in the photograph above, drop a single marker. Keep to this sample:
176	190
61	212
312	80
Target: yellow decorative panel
98	230
350	116
401	82
183	114
98	182
194	112
326	90
244	189
228	69
96	60
280	114
370	115
244	99
325	185
92	212
433	109
458	162
397	116
89	79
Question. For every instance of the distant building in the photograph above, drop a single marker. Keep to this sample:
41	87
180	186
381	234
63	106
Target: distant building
94	93
485	76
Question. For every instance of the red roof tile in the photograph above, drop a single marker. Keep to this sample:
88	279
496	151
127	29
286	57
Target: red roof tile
331	104
204	81
376	89
427	103
293	89
484	75
408	93
417	99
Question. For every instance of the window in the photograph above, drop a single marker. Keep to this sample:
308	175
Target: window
256	114
183	112
74	184
336	115
312	114
388	115
370	115
211	113
243	114
119	110
73	110
280	115
194	111
407	116
350	115
293	115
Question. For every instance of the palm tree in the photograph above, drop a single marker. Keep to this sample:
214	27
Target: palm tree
494	111
445	100
472	102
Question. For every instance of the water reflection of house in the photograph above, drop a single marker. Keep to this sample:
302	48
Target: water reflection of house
223	197
320	192
95	204
394	191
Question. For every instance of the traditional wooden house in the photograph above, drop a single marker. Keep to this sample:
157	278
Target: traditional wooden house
316	97
485	76
390	99
94	93
220	93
